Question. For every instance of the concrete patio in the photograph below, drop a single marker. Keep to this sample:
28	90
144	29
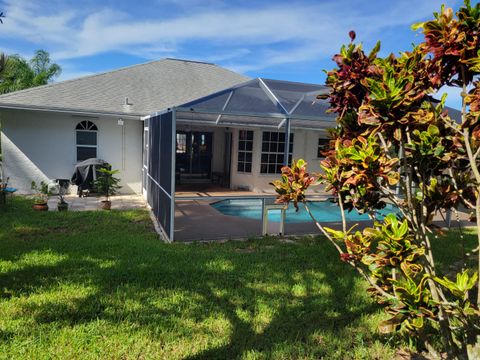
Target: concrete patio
119	202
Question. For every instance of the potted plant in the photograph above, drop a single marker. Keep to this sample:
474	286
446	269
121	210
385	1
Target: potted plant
107	185
62	205
40	200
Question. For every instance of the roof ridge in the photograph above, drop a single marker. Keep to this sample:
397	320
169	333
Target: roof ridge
3	96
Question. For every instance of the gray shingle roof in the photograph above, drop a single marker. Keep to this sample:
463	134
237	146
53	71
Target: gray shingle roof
149	87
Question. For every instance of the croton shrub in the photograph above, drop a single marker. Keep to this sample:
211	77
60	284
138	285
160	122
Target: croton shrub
394	143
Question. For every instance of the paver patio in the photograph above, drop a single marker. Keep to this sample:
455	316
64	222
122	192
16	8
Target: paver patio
119	202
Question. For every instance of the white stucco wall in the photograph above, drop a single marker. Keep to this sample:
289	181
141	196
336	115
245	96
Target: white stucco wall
42	145
305	145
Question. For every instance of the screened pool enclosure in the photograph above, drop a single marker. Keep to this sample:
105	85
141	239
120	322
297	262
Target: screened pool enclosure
178	143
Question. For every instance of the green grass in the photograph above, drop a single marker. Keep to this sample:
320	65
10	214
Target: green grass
96	285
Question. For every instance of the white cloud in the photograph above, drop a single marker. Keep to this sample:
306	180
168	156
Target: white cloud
25	20
252	37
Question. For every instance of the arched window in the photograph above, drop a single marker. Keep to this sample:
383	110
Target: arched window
86	140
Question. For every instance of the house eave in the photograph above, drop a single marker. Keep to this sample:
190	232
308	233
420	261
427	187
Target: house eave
72	111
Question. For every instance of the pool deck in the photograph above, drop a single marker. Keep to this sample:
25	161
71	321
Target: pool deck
197	220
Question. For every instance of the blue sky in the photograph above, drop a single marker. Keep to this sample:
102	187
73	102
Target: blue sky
290	40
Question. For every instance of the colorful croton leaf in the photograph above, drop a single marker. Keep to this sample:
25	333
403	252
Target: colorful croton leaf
356	170
394	143
454	42
294	182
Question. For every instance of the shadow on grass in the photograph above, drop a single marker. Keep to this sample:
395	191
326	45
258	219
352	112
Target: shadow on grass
113	268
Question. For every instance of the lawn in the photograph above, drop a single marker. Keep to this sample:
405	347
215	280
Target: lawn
101	285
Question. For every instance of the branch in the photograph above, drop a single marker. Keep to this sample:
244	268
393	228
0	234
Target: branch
475	156
384	144
454	128
378	288
473	165
471	158
322	229
344	220
360	270
468	203
408	183
391	196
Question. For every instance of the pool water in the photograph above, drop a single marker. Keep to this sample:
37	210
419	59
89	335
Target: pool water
322	211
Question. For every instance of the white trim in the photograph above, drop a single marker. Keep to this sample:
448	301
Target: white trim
297	104
224	107
271	95
245	152
90	124
70	111
242	126
157	113
329	120
287	148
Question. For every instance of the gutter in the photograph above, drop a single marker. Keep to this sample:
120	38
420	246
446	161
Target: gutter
72	111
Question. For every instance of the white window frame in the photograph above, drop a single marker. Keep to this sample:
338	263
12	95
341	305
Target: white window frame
277	154
88	128
245	151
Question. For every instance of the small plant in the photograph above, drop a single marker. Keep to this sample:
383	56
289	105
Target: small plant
107	185
40	198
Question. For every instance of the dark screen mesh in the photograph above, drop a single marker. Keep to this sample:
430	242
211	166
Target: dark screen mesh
165	178
159	184
252	99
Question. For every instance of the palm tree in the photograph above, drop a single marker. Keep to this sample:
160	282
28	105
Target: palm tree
3	61
18	73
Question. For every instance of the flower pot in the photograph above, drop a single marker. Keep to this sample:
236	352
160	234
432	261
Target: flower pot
106	204
40	206
62	206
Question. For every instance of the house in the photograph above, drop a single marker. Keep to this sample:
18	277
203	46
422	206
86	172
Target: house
48	129
164	124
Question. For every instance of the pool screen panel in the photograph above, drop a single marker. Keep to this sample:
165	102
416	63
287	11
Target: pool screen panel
159	176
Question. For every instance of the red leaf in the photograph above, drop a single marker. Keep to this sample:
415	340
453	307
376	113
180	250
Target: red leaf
352	35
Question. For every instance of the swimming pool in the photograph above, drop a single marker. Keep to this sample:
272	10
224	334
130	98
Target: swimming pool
322	210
